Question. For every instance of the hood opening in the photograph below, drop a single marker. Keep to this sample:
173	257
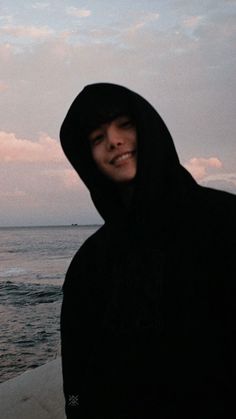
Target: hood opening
158	167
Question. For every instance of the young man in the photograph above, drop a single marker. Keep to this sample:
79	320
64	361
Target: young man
148	315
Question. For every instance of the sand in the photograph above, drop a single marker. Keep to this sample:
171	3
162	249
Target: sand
36	394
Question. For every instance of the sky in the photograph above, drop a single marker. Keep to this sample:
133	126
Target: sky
178	54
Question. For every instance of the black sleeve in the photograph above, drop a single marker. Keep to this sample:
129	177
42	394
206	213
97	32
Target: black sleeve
82	310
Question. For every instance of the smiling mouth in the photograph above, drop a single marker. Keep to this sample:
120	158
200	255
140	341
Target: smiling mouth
122	158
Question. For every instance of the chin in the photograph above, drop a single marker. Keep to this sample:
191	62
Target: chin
125	179
122	176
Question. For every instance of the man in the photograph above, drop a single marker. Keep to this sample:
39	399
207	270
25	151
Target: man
114	149
148	315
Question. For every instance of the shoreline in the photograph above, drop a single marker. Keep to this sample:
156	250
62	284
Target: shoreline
35	394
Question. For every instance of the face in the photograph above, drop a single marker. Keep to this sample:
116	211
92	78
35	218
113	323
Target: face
114	149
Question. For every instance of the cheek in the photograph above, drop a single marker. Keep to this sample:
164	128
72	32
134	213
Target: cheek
133	138
97	156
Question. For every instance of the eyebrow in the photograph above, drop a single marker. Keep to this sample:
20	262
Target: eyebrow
107	121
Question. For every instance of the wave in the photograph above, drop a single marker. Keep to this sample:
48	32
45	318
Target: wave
12	272
17	251
21	294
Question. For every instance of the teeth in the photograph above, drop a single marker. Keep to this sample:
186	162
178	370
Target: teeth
123	157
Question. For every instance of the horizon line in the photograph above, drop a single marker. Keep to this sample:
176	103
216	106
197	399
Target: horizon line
51	225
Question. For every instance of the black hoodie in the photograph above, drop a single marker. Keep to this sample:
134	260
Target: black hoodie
148	315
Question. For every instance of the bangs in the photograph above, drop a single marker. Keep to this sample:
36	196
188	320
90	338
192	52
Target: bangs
103	105
103	116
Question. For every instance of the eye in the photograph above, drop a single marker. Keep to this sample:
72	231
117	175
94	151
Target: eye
126	123
96	137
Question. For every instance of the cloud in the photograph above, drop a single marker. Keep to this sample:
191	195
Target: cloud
32	32
150	17
6	52
223	181
71	179
226	177
40	6
30	194
199	166
13	194
192	21
64	176
196	101
13	149
74	11
3	86
6	18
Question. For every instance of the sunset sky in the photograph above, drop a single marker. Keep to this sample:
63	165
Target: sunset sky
179	54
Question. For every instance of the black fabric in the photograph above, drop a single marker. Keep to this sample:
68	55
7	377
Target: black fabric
148	315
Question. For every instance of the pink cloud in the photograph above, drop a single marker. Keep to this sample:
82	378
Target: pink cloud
67	177
71	179
192	21
3	86
13	194
6	51
74	11
199	166
27	31
150	17
13	149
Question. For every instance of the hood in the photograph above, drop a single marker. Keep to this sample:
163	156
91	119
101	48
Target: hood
160	181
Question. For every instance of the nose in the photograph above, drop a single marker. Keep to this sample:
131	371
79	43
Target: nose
114	137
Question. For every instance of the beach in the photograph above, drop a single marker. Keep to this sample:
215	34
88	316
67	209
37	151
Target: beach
35	394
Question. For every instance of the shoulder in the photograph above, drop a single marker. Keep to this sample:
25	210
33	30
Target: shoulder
216	210
87	260
217	195
91	244
220	203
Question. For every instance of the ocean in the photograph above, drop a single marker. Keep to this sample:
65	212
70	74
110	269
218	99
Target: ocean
33	263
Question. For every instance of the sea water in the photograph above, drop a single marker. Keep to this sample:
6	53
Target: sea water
33	263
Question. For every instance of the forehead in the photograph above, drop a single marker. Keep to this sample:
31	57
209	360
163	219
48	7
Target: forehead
100	123
116	119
